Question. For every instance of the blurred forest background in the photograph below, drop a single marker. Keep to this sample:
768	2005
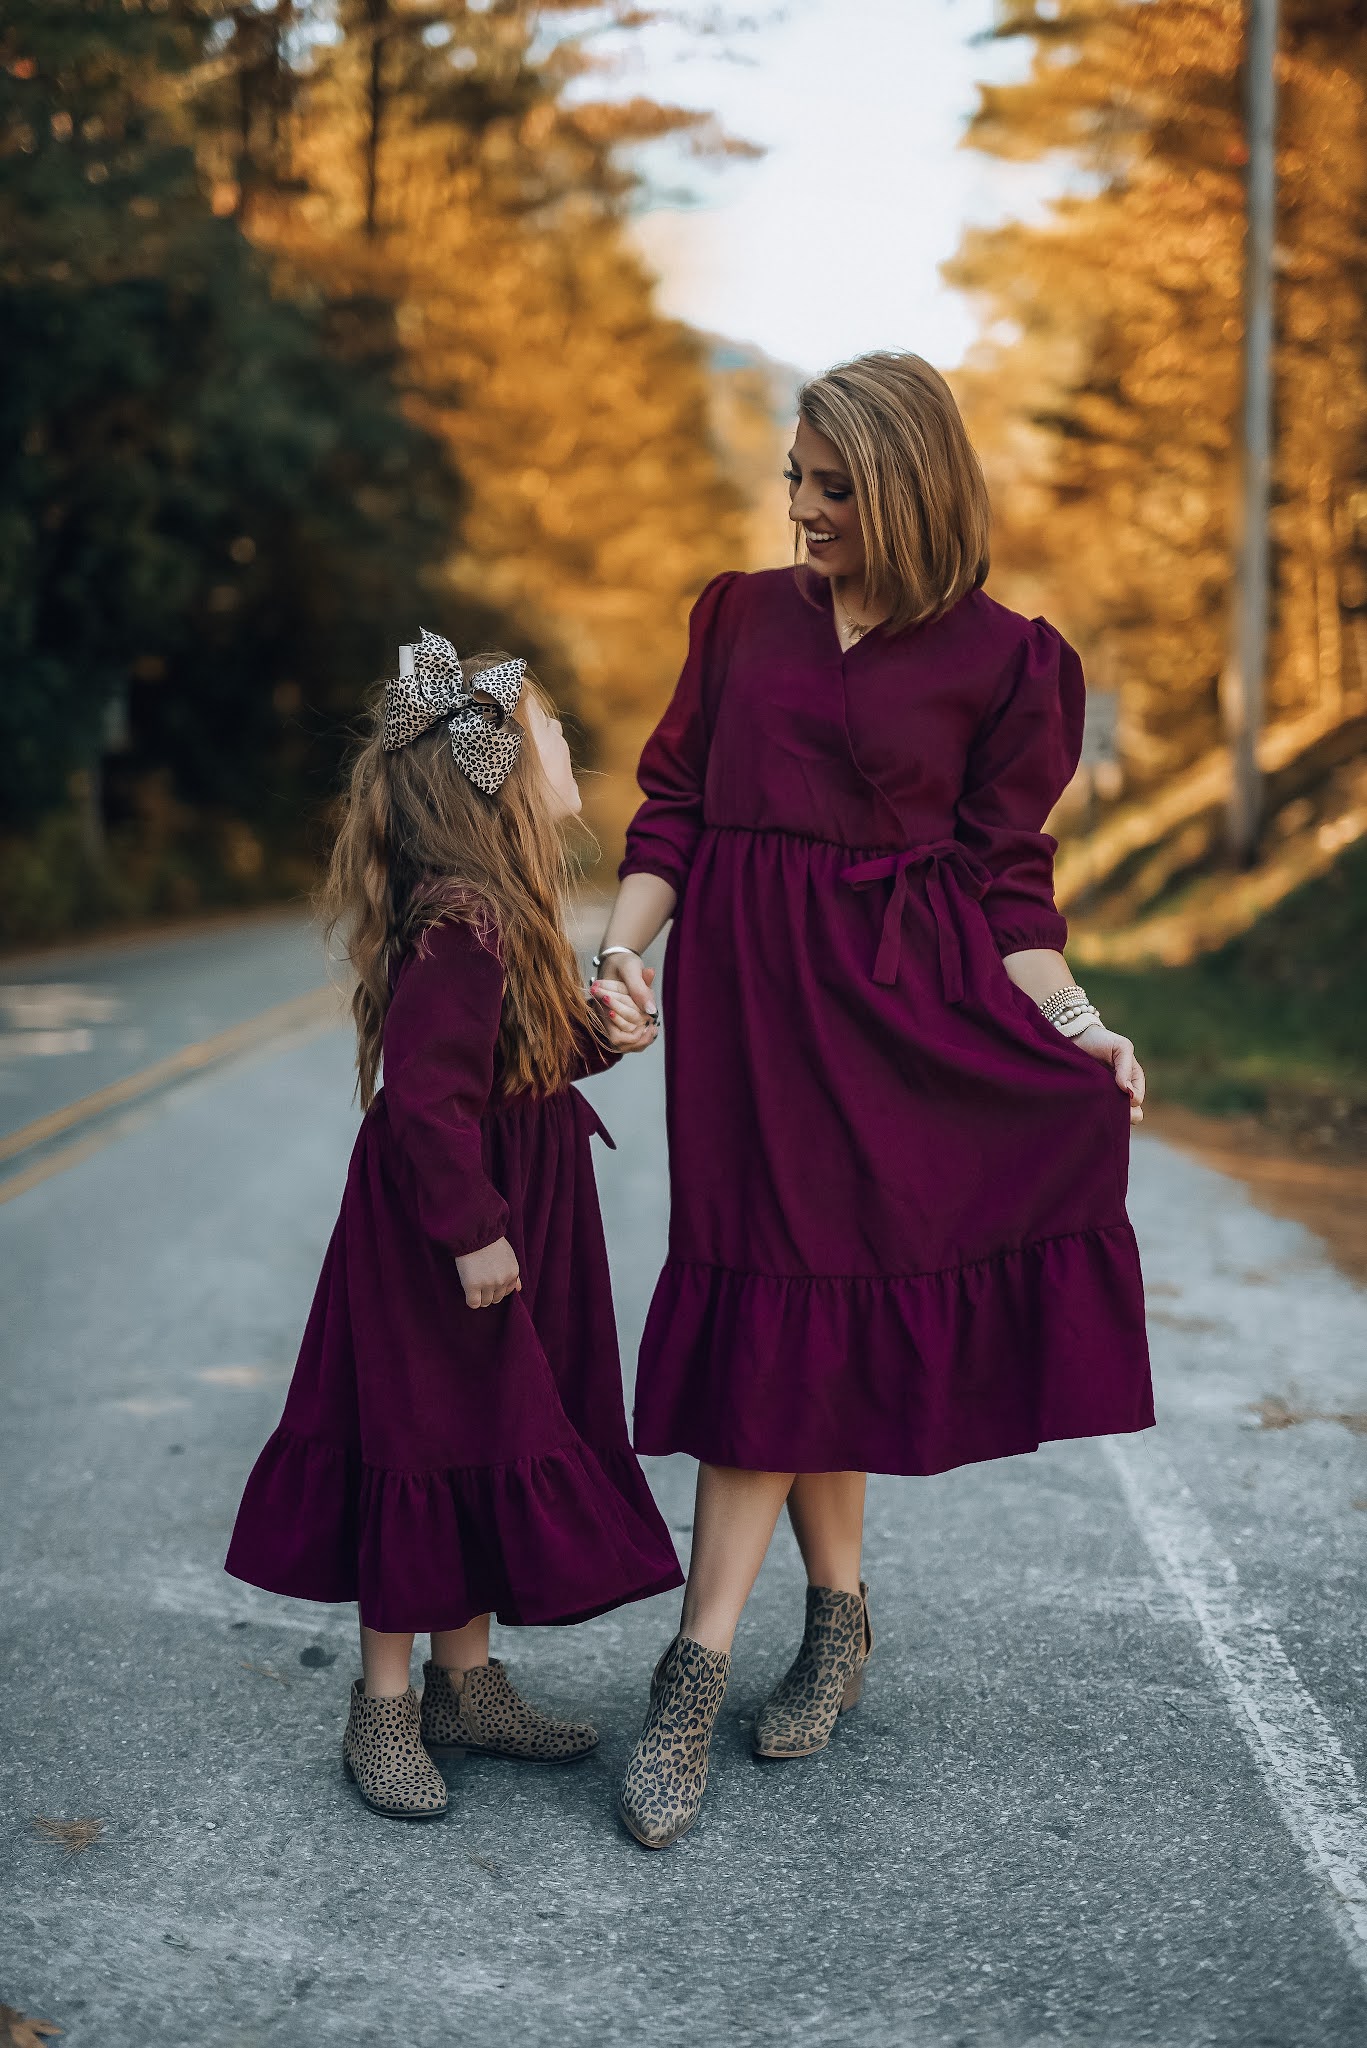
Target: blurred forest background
321	319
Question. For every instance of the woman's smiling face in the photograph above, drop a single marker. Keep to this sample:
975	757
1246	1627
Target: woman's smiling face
821	501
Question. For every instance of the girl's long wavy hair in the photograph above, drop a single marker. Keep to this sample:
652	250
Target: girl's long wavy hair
419	845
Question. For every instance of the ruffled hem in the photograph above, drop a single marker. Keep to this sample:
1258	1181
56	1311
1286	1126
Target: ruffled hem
909	1375
555	1538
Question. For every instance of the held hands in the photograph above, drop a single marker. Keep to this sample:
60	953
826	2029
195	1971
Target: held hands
628	1013
490	1275
1118	1053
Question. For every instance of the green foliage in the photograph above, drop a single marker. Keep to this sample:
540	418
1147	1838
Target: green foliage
1274	1015
216	517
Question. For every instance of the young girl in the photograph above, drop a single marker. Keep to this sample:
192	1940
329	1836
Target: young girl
453	1442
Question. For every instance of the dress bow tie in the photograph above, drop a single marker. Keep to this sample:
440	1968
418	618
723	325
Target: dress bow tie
484	736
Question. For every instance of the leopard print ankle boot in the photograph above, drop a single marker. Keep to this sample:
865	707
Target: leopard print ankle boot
825	1679
382	1754
480	1710
667	1775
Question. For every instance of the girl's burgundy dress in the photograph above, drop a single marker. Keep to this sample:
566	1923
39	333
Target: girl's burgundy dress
898	1238
436	1461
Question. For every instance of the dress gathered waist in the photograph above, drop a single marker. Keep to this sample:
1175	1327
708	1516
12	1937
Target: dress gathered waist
937	861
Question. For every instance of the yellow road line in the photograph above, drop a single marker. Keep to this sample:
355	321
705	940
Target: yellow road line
307	1013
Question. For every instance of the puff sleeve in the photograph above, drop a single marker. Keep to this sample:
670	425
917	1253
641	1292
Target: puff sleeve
663	835
439	1039
1021	760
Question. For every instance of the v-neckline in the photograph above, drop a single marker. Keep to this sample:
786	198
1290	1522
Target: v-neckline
826	602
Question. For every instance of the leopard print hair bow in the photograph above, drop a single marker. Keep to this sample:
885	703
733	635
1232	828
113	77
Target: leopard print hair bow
484	735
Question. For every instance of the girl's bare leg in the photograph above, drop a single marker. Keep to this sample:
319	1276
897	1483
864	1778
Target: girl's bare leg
385	1660
826	1510
461	1649
733	1523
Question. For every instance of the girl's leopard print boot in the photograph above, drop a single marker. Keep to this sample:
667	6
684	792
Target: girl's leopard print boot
480	1710
825	1679
382	1754
667	1775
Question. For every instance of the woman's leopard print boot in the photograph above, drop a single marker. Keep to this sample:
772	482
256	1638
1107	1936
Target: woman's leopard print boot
825	1679
480	1710
667	1775
382	1754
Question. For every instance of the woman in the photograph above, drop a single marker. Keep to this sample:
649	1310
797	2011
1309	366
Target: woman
898	1132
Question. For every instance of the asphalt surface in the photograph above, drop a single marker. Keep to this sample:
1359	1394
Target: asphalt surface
1105	1787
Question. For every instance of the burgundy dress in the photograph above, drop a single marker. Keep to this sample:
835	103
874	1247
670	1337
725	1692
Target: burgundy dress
436	1461
898	1239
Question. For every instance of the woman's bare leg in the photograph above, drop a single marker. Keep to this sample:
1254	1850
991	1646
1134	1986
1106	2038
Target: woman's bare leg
461	1649
733	1524
826	1510
385	1660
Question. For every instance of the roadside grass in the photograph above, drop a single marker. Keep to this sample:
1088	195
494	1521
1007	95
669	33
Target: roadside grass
1273	1026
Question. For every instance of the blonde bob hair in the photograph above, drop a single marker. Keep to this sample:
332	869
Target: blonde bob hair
918	485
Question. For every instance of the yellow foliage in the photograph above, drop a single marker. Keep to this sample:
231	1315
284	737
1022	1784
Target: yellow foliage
465	190
1106	393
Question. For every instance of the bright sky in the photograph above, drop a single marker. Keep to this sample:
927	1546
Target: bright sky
831	244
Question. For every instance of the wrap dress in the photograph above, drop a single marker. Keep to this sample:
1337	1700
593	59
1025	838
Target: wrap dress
435	1461
898	1238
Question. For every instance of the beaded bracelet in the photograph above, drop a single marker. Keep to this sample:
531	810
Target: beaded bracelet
1071	1011
1078	1021
1063	999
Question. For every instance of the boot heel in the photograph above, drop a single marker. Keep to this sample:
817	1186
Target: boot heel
854	1690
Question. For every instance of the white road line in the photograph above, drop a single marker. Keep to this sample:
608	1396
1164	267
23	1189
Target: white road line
1302	1760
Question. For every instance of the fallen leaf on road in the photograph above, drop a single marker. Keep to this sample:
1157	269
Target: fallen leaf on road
1275	1413
75	1836
22	2032
263	1671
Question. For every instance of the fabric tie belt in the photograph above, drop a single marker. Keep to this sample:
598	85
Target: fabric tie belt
938	861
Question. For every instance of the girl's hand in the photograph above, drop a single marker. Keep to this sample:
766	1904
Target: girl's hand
489	1276
639	980
629	1028
1118	1053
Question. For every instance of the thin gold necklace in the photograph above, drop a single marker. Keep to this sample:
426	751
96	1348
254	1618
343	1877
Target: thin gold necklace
853	626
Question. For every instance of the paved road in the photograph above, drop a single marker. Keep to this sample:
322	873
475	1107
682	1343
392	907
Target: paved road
72	1022
1105	1788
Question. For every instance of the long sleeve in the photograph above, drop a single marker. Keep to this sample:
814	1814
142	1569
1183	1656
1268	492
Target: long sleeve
1021	761
663	836
439	1039
592	1055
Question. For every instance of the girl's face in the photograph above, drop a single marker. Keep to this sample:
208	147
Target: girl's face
821	502
554	755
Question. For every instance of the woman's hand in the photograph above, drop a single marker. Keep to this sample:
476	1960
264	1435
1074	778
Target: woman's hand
630	1027
1118	1053
489	1276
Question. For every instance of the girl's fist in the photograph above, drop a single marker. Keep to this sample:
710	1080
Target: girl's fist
490	1275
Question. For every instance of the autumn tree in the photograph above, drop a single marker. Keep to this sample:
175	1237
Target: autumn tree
452	162
1106	394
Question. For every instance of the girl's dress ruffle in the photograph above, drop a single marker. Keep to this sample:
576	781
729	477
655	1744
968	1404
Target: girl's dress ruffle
553	1538
933	1370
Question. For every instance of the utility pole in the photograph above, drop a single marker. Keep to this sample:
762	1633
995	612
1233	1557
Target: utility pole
1248	665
